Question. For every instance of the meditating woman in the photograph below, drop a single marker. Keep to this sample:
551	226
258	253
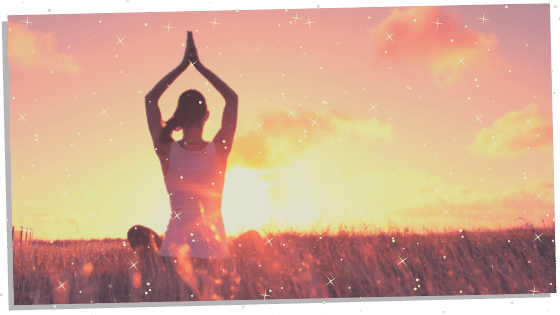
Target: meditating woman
194	172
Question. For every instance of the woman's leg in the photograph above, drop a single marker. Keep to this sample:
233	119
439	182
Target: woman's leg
141	237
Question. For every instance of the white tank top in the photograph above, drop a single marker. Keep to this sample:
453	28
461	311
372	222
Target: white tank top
195	185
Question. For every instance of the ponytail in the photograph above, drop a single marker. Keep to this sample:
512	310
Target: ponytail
170	125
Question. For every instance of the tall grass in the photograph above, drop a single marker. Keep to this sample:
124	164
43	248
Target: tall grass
295	266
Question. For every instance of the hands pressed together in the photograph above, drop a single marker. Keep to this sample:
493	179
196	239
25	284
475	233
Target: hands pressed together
191	59
191	55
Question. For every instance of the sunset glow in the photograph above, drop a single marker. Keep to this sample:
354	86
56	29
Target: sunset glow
374	116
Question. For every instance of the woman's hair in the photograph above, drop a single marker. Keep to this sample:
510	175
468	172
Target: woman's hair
190	111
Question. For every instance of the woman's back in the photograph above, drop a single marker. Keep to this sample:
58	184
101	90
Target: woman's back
194	179
195	172
195	183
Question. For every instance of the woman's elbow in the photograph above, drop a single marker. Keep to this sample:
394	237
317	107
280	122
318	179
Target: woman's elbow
148	99
233	97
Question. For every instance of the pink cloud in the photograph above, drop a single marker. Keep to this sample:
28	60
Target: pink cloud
37	51
410	34
291	136
512	135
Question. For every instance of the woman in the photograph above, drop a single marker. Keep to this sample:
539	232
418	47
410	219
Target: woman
194	173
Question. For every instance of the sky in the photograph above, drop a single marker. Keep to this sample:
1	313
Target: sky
412	117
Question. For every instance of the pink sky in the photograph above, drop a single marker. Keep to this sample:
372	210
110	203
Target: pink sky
420	152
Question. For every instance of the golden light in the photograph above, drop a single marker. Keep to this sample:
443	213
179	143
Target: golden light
245	203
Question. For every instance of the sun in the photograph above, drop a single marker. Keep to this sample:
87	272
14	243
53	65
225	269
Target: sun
245	202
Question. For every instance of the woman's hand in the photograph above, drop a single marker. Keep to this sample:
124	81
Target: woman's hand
192	54
185	61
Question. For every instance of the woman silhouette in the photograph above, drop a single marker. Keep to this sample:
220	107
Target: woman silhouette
194	173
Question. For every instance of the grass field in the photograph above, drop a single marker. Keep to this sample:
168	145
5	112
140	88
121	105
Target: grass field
297	266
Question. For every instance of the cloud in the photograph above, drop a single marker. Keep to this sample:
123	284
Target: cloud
415	39
37	51
284	137
512	135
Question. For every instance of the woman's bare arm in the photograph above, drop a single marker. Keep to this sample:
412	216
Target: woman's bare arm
153	112
229	118
155	94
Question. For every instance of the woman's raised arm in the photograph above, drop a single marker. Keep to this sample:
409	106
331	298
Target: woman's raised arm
164	83
229	118
151	99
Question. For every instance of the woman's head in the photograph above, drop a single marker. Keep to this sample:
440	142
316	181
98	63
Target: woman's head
191	112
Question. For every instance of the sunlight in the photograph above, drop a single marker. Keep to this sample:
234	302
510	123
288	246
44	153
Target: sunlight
245	203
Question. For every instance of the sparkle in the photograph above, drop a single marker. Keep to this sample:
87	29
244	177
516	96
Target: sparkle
133	264
330	281
296	18
538	237
22	117
61	285
176	215
314	121
291	113
65	193
259	126
461	60
437	23
402	260
268	241
26	22
68	46
389	36
478	118
168	26
372	107
534	291
265	295
104	111
483	18
213	27
120	40
539	196
528	121
308	22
